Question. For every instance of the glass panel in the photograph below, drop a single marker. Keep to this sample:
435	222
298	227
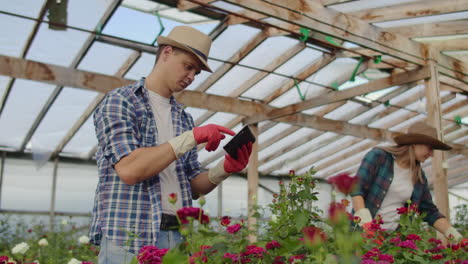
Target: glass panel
66	109
25	101
58	47
339	68
76	184
200	78
78	10
29	8
272	82
104	58
142	66
15	32
262	55
231	80
25	187
83	141
143	27
235	197
4	80
290	157
195	112
224	47
277	129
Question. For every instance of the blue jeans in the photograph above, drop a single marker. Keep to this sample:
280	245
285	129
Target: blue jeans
110	253
169	239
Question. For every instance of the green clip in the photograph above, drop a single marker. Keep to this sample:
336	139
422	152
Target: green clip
332	41
161	25
353	76
377	59
335	85
387	103
298	90
305	34
458	120
98	30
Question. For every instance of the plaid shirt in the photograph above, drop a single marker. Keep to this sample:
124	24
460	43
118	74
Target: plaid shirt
375	176
124	121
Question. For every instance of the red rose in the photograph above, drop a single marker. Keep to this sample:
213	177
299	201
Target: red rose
343	182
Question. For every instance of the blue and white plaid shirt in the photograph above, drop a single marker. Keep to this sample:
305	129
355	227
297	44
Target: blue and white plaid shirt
130	216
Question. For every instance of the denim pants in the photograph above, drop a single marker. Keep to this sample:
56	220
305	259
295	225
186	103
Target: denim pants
110	253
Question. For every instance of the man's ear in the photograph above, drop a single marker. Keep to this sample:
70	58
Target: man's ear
166	52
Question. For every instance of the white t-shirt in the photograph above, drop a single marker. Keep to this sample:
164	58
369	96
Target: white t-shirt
161	107
398	193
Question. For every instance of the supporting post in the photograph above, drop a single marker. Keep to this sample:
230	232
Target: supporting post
52	199
434	118
252	181
2	170
220	200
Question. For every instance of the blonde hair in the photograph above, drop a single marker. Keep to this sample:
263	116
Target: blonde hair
405	154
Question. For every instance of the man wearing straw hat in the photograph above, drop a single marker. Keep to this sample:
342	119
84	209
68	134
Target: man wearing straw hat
390	176
147	150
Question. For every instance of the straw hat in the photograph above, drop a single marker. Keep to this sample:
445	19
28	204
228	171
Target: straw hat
191	40
421	133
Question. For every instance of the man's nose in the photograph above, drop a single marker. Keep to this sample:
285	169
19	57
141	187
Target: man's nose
191	76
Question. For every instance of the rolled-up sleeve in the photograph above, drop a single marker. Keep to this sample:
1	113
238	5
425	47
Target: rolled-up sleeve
365	174
116	128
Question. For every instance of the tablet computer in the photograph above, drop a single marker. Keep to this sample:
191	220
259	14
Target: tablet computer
243	137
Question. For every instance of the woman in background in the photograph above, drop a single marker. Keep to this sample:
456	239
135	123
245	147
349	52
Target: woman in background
390	176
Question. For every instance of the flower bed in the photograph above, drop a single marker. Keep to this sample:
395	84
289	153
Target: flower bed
297	232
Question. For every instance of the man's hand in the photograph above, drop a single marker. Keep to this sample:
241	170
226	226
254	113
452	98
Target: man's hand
221	171
211	134
235	165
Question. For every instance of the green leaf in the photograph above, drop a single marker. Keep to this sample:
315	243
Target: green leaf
175	256
301	221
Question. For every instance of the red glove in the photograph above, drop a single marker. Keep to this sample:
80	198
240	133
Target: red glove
212	134
243	153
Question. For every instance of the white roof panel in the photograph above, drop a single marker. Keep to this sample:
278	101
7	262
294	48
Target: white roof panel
15	33
25	101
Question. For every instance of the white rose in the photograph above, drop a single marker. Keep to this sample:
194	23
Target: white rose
64	222
36	261
74	261
21	248
43	242
83	240
274	218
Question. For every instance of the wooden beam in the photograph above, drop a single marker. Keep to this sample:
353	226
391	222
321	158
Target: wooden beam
454	83
334	2
58	75
445	28
411	10
449	44
315	16
371	86
433	108
184	5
